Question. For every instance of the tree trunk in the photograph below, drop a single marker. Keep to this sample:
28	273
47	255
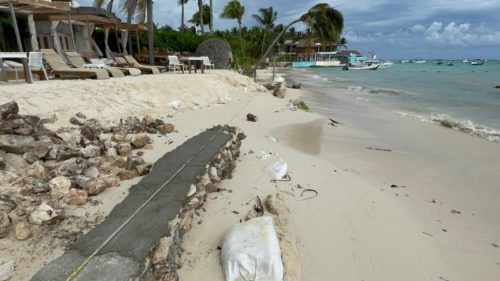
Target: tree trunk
211	17
3	44
200	7
129	20
150	31
110	6
182	17
272	46
241	39
263	42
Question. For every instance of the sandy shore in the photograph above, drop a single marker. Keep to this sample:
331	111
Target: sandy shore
358	227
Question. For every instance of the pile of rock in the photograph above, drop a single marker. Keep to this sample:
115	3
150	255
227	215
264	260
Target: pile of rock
166	258
51	170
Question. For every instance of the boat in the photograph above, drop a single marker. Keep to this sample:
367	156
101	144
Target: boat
477	62
466	61
386	64
450	63
361	67
418	61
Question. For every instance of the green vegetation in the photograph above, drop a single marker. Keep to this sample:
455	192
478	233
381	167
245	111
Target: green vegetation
251	45
302	105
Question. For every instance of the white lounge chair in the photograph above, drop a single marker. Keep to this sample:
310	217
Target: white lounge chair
174	64
207	64
35	61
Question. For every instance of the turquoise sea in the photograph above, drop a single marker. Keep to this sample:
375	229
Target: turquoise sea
461	96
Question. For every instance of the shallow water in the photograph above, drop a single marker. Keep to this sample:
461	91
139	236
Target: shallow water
462	96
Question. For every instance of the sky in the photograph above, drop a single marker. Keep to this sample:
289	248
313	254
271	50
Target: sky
394	29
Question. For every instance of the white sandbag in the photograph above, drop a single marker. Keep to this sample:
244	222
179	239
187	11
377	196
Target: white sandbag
278	79
278	169
251	252
175	104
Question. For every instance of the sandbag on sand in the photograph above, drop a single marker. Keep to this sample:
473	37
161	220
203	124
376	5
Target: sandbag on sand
251	251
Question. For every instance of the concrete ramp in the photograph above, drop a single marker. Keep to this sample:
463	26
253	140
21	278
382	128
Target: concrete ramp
119	247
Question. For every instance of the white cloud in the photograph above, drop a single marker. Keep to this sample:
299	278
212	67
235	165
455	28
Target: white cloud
462	34
417	28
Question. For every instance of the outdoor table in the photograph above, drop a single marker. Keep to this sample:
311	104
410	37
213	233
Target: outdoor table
189	61
16	55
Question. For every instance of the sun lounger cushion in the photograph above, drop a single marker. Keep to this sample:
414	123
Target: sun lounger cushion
76	60
56	63
153	68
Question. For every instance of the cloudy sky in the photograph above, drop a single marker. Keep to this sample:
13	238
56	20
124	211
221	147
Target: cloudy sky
393	28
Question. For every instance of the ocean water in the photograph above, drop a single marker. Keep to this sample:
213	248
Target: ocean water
462	97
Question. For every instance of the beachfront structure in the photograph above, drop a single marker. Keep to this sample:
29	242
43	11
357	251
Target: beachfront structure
327	59
293	47
62	26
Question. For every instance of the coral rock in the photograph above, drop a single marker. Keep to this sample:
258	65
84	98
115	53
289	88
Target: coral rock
59	187
76	197
23	231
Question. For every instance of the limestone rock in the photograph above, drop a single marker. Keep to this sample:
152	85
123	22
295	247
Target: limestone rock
123	148
59	187
212	172
128	174
4	224
16	143
23	231
192	190
66	152
6	109
90	151
111	152
36	186
251	117
91	172
165	128
7	204
43	214
95	186
76	197
271	204
42	148
141	141
187	221
144	169
162	250
36	170
3	164
133	162
91	129
30	157
71	136
120	137
110	180
119	162
82	181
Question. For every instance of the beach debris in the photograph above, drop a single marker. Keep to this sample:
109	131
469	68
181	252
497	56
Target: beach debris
256	211
495	245
333	122
271	204
497	87
428	234
379	149
295	85
251	117
273	139
278	169
455	212
224	100
175	104
309	190
251	243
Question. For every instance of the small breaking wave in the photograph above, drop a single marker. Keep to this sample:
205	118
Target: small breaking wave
465	126
388	91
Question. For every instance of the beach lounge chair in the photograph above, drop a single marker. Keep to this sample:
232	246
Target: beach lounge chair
92	57
12	66
35	61
174	64
60	69
135	63
207	64
76	60
122	62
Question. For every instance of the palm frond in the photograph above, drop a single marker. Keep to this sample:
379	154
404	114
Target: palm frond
98	3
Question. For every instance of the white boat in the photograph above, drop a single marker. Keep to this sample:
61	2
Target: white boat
466	61
477	62
418	61
386	65
362	67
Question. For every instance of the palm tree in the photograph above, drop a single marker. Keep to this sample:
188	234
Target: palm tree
211	26
200	14
325	22
343	43
182	3
234	10
197	20
266	19
99	3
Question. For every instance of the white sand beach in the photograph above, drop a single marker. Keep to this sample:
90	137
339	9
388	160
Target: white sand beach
357	228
